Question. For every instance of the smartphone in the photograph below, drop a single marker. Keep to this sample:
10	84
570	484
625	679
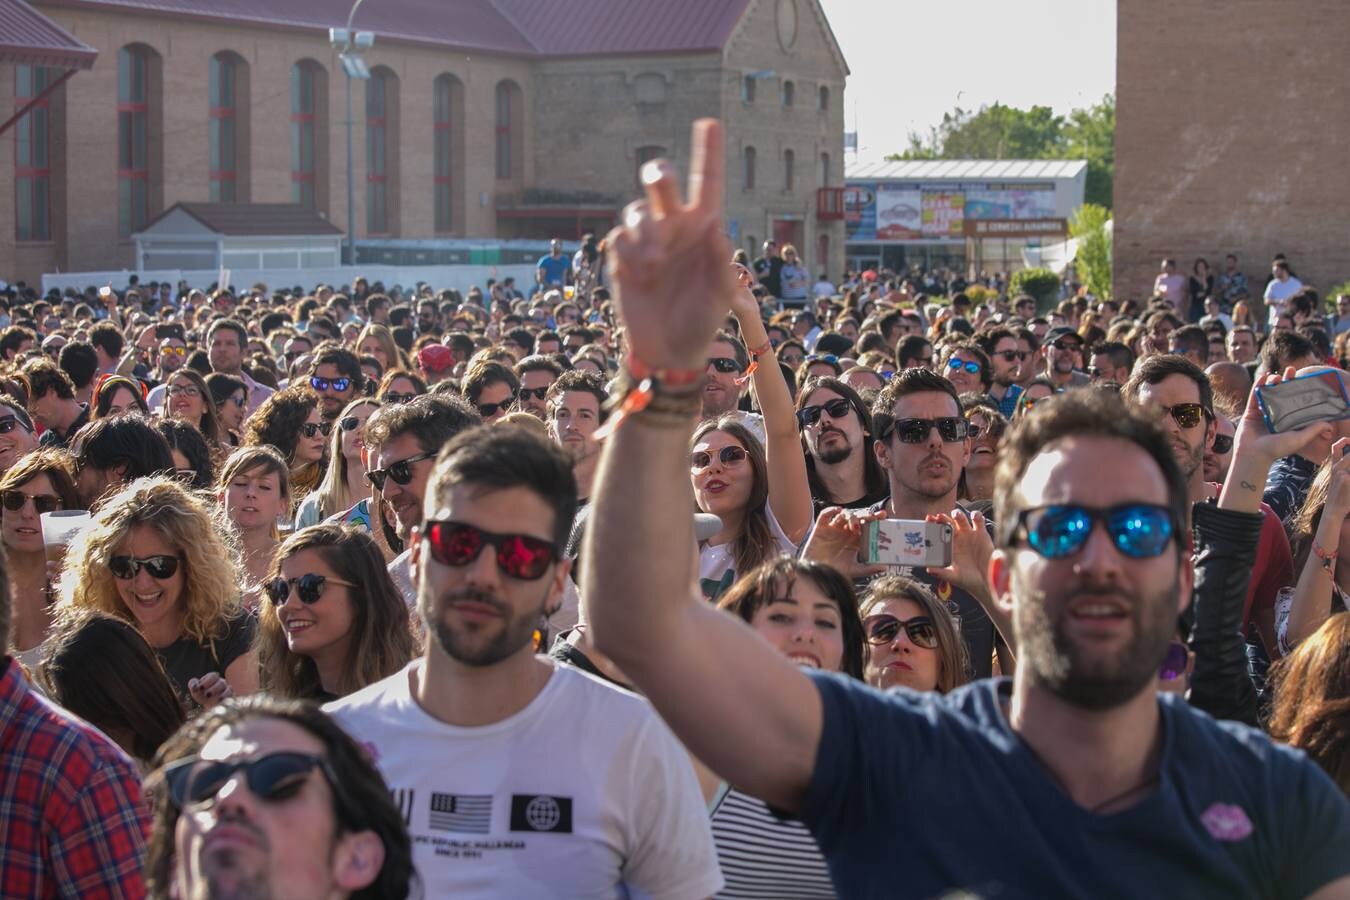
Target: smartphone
1297	402
907	542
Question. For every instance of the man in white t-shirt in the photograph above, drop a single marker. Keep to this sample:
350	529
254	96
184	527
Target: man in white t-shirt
1282	286
518	777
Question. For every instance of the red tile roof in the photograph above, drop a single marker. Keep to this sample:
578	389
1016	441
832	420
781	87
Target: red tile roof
255	219
512	27
27	37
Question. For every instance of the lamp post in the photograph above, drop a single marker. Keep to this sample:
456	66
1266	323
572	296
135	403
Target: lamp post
350	46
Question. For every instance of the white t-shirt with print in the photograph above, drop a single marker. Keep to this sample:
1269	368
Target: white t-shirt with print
717	566
583	793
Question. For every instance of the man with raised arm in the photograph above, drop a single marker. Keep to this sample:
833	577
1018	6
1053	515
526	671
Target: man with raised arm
1077	779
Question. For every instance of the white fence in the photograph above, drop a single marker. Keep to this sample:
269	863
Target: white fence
458	277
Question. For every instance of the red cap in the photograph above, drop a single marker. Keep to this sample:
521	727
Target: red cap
436	358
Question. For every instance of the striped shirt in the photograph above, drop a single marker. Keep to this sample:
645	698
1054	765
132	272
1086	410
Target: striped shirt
765	855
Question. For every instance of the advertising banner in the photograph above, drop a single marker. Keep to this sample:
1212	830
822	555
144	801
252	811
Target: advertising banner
943	213
860	211
899	212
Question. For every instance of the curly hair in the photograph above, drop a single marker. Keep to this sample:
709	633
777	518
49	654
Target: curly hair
755	543
381	633
1311	710
953	658
210	597
277	422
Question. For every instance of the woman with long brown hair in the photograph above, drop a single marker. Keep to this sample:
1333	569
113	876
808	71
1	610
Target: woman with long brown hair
912	639
1312	699
188	397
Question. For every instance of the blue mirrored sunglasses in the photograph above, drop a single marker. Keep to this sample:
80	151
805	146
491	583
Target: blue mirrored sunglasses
1138	530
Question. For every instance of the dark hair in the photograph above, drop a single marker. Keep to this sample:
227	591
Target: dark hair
187	440
19	409
210	426
910	347
952	653
1190	339
13	337
583	382
393	374
381	636
1120	355
106	389
487	373
130	440
1154	369
230	325
277	422
510	457
44	376
1076	414
79	362
1282	348
433	420
361	798
55	464
874	477
905	383
1317	336
100	668
107	337
223	386
971	349
343	359
774	577
538	363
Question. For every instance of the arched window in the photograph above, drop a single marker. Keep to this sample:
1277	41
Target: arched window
824	98
309	134
447	124
824	170
137	156
227	87
381	150
789	171
32	156
510	131
789	93
748	179
645	155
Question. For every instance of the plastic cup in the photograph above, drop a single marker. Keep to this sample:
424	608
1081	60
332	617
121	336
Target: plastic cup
60	527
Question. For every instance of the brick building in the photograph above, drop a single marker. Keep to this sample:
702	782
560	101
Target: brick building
510	118
1228	137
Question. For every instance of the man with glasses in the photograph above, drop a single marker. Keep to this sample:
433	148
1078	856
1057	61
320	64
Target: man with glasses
1179	395
335	375
545	780
1111	363
1007	359
270	798
727	362
536	374
1063	352
914	352
836	428
401	441
1089	773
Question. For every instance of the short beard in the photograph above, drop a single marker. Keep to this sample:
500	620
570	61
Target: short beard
1091	682
516	631
730	400
835	453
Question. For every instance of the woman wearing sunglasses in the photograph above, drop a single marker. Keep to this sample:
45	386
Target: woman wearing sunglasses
291	422
400	386
153	557
344	482
230	396
42	481
1037	390
808	612
187	397
759	491
114	395
255	494
331	621
912	639
985	426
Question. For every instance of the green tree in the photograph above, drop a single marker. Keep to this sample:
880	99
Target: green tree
1093	260
1005	132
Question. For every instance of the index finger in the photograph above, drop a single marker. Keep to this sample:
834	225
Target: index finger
707	169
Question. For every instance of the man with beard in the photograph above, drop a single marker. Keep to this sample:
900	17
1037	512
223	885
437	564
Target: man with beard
1063	352
269	798
1177	394
575	411
335	374
554	782
837	438
1007	358
1091	775
1219	455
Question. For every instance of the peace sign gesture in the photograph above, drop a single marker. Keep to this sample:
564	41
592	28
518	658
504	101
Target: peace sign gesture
668	261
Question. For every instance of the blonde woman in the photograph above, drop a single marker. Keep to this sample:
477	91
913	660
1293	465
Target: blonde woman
255	493
153	557
378	341
344	482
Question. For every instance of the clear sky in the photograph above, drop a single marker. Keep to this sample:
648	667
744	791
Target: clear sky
911	60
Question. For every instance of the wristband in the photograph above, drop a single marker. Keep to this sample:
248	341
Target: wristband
750	370
672	377
1328	559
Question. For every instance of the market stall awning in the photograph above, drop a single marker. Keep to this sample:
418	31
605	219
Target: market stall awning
27	37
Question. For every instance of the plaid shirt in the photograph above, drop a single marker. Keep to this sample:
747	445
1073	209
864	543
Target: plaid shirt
71	821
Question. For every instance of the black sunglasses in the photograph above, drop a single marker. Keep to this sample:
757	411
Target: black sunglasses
1010	355
1223	443
488	410
309	429
275	777
395	397
810	415
44	503
9	423
915	431
400	471
724	364
127	567
520	556
536	393
308	587
349	423
884	628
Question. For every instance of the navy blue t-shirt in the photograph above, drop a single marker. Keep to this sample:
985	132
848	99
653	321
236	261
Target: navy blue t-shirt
920	795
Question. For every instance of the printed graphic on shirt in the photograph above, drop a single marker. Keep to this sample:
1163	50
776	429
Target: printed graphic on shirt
540	812
467	813
403	799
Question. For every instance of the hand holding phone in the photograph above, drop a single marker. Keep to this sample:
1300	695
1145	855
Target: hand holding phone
906	542
1294	403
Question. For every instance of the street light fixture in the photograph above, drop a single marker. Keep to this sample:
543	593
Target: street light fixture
350	46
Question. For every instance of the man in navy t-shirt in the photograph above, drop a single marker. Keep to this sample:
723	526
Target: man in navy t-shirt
1074	779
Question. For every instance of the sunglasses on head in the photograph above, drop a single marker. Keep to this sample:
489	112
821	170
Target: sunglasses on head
127	567
519	556
1223	443
884	628
322	384
724	364
9	423
837	408
308	587
400	471
309	429
536	393
1174	663
185	390
274	778
915	431
395	397
730	455
1187	415
43	503
970	366
1138	530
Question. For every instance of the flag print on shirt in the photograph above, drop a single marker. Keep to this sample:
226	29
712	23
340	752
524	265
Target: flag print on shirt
465	813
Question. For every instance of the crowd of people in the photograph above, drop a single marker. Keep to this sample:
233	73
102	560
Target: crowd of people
576	592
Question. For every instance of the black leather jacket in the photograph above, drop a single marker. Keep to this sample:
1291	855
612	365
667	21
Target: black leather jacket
1225	553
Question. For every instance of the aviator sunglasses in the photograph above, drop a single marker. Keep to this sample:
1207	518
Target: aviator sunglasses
884	628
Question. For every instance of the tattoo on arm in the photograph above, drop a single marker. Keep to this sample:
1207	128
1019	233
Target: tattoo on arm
1248	485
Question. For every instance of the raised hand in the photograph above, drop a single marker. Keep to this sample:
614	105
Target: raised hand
1337	507
1255	449
668	262
971	549
835	540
